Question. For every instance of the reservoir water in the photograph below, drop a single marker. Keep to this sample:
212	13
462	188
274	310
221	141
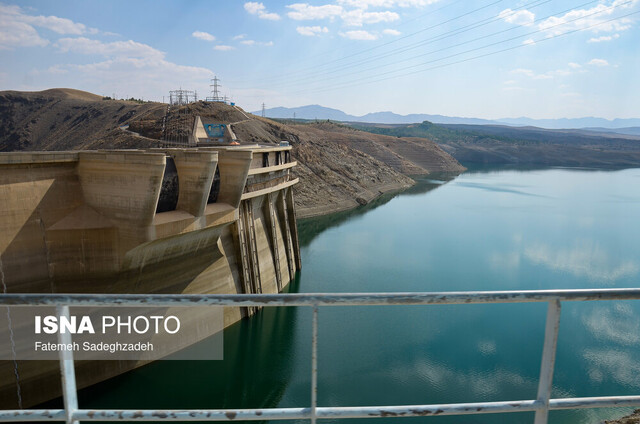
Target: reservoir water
484	230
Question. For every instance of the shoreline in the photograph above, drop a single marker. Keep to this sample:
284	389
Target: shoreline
386	189
361	200
633	418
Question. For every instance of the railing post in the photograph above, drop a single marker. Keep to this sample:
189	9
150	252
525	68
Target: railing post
314	365
548	361
67	371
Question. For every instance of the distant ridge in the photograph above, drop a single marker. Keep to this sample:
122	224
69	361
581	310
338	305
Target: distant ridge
627	131
62	93
579	123
321	112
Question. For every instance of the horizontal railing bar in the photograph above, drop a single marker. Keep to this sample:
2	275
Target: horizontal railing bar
322	412
18	415
319	299
197	415
157	415
594	402
266	169
428	410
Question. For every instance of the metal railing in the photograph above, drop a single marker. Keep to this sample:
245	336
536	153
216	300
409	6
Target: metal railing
541	405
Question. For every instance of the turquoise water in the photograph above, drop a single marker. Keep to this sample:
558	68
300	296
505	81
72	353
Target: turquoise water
499	230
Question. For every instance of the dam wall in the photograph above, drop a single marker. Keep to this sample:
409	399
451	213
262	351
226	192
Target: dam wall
89	222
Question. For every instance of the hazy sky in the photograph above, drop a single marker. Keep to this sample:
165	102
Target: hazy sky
486	59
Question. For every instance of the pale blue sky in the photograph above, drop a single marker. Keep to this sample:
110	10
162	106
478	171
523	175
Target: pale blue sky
486	59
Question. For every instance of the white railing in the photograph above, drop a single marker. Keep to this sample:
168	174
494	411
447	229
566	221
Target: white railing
541	405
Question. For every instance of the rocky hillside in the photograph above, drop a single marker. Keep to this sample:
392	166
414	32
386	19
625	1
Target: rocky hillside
64	119
633	418
339	167
499	145
408	155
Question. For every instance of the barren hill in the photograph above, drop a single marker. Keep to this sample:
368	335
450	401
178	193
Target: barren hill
408	155
339	167
64	119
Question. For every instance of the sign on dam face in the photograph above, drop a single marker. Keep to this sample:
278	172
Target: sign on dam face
111	333
214	130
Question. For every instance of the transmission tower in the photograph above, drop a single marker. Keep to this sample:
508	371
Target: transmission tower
215	94
263	110
182	97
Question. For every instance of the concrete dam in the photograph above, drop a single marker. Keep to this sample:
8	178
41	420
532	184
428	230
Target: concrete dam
206	220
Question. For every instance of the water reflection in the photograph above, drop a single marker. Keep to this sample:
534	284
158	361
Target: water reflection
482	168
255	372
487	347
574	234
309	228
472	384
570	234
606	365
585	259
617	323
496	189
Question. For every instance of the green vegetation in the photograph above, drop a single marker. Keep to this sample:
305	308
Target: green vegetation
140	101
130	99
437	133
501	145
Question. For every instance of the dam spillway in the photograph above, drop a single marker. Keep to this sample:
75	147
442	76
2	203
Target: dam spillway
92	222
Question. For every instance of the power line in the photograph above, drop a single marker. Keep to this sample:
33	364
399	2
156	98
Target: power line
415	33
370	79
361	82
440	37
315	67
456	45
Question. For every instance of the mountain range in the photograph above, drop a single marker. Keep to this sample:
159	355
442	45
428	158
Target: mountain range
321	112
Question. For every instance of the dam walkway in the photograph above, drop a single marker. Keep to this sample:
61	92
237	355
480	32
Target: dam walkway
541	405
